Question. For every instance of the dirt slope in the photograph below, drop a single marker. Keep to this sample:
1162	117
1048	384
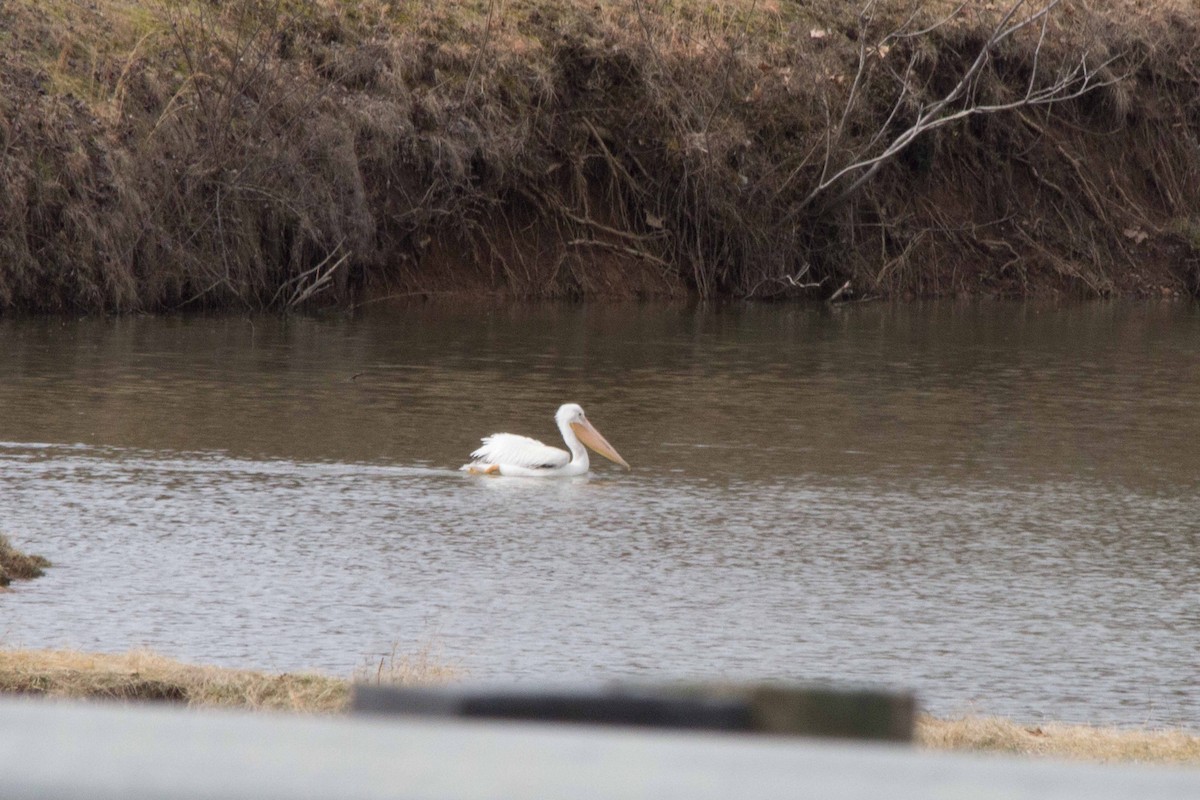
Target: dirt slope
274	153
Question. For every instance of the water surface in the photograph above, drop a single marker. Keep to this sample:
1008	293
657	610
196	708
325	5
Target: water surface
995	505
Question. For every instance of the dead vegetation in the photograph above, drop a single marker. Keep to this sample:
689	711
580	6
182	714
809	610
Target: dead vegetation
1056	740
142	676
15	565
273	153
147	677
403	669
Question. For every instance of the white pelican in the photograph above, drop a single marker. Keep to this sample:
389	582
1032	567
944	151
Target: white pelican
510	454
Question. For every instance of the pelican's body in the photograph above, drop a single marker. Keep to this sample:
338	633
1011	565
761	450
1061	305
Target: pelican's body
510	454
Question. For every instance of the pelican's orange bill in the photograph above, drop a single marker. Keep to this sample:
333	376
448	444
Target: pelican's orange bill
592	438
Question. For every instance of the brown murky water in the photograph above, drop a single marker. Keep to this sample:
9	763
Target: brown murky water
995	505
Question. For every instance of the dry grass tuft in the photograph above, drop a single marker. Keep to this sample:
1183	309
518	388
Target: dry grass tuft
1057	740
15	565
405	669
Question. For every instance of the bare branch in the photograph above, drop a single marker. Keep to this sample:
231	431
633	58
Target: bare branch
956	104
312	280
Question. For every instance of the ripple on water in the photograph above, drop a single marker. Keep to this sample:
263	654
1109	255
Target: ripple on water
984	514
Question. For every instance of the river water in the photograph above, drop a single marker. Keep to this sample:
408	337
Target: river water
994	505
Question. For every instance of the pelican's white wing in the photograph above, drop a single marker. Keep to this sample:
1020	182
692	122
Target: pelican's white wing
520	451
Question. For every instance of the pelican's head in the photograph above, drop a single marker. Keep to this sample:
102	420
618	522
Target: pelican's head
568	413
571	415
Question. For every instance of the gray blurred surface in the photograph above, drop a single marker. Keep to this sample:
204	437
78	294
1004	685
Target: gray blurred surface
68	750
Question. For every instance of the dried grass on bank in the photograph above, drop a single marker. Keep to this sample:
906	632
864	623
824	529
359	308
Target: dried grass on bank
145	676
265	154
426	665
1057	740
15	565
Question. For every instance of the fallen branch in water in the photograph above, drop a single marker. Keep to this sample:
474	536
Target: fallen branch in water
321	275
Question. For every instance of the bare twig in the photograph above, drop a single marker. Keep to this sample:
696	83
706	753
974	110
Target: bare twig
836	184
302	288
833	298
787	282
620	248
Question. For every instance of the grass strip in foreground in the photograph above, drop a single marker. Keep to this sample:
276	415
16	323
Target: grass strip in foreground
146	676
1059	740
143	676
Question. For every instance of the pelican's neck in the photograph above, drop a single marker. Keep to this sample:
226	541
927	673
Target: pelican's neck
579	453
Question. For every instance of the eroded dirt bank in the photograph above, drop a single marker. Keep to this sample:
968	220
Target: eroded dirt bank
272	153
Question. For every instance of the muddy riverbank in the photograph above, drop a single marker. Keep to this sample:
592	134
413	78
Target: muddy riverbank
258	154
